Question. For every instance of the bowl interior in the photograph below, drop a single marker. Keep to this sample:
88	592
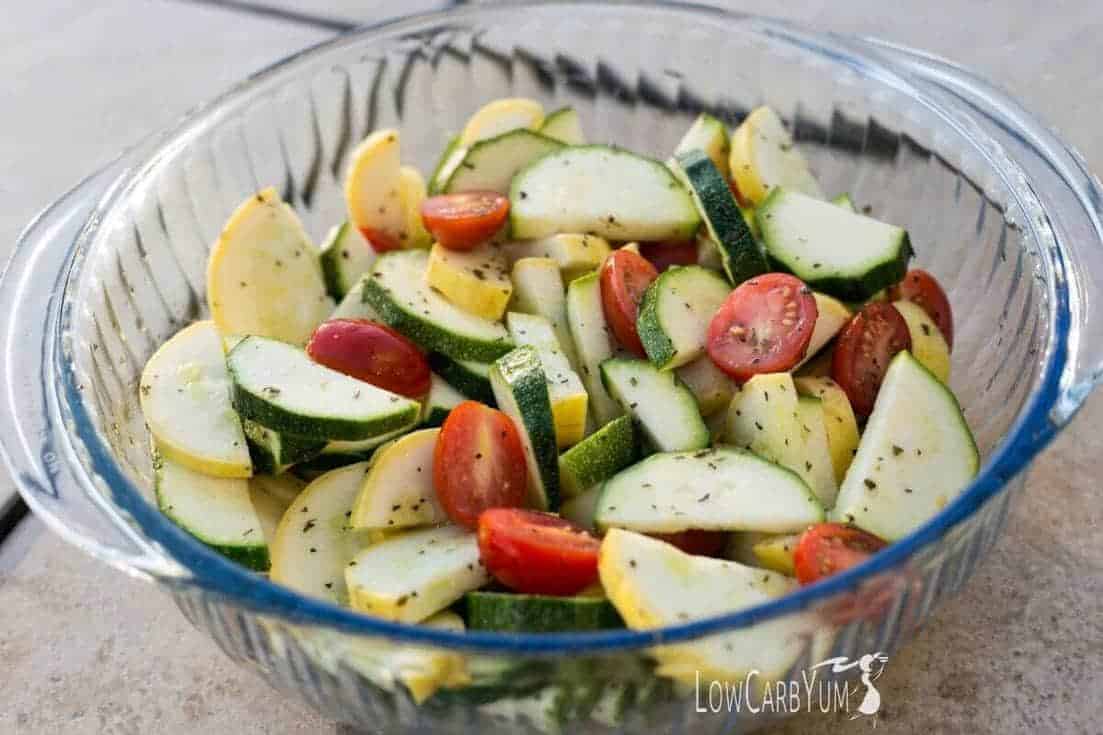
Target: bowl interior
638	77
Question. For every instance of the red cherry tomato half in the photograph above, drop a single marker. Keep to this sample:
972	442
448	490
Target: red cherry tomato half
478	463
380	241
863	351
764	326
462	221
537	553
921	288
624	278
698	543
373	353
663	255
828	548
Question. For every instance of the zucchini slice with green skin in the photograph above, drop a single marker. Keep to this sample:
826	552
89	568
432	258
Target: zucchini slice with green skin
273	452
397	290
538	289
449	159
568	398
279	386
514	613
915	455
675	313
711	136
521	390
726	227
720	489
345	257
592	340
564	125
353	305
603	191
491	164
439	403
598	457
663	406
846	255
467	376
218	511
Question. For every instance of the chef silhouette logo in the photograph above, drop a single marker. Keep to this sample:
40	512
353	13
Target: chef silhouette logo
872	665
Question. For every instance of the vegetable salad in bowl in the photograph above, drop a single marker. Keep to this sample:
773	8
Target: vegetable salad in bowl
559	386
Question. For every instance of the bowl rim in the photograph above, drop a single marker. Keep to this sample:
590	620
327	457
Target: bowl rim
214	573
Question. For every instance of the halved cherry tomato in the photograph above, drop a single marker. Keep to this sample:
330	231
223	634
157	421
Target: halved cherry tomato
478	463
739	198
921	288
828	548
462	221
537	553
380	241
373	353
663	255
863	351
764	326
624	278
698	543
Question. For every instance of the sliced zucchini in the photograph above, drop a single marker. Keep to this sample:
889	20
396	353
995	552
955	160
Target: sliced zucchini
538	289
763	158
846	255
185	396
467	376
915	456
765	417
413	575
364	448
398	490
373	192
675	313
819	467
398	291
593	341
659	402
580	509
514	613
263	275
564	125
568	397
491	164
502	116
476	281
280	387
709	135
598	457
726	227
720	489
833	316
345	257
521	390
216	510
604	191
353	305
312	469
653	585
928	344
274	452
710	385
314	540
439	403
842	426
575	254
449	159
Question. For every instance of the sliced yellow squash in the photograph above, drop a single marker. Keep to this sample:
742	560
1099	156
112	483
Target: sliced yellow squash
398	490
576	254
776	553
476	280
263	274
501	116
185	398
833	316
373	190
411	187
928	344
763	158
842	427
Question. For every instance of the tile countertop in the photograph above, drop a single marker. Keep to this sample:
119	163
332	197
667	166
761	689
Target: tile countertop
86	650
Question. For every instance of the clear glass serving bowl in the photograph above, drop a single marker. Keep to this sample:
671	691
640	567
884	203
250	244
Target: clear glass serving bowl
1001	210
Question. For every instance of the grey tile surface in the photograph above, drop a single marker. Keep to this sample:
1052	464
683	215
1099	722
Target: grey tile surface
85	650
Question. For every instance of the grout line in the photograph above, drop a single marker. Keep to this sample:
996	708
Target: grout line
269	11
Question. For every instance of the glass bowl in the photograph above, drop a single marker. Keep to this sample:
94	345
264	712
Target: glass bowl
1002	211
